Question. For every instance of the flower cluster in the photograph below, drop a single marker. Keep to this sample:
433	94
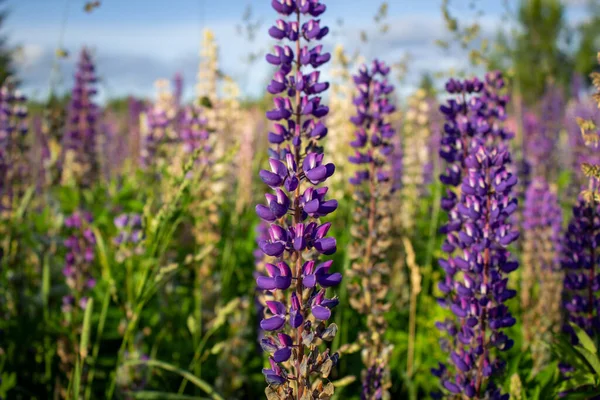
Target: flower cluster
372	218
80	245
13	146
541	134
579	262
373	384
129	237
82	134
476	280
415	134
296	321
541	278
194	134
476	110
478	232
154	135
340	126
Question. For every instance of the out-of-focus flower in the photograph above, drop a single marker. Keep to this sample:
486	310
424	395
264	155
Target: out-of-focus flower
541	278
579	262
129	237
81	138
415	155
79	259
14	165
372	220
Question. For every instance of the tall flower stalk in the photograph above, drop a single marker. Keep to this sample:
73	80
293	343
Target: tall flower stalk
478	231
581	253
296	322
541	278
415	136
14	166
80	155
80	245
340	126
372	221
580	265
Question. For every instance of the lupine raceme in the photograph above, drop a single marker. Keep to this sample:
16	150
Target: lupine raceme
13	146
372	221
580	248
478	232
415	136
80	152
296	323
340	126
79	259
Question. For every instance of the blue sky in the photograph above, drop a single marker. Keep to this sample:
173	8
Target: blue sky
139	41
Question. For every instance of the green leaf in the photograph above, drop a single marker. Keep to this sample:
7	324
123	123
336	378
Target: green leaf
26	199
591	358
106	271
584	339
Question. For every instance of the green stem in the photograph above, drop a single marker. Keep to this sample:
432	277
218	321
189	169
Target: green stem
96	349
197	355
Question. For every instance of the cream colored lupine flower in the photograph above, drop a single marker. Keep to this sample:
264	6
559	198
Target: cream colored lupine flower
415	136
340	129
208	70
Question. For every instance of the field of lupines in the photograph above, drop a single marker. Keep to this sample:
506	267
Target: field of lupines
339	242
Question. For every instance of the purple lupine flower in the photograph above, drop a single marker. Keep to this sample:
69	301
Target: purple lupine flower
297	170
194	134
479	229
129	237
260	298
476	279
470	113
373	384
157	123
80	244
371	231
83	114
579	262
541	133
14	166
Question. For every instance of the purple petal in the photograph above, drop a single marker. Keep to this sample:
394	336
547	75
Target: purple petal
272	324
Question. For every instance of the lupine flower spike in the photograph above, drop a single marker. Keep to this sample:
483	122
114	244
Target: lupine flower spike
581	253
475	287
372	220
296	324
81	139
80	245
415	135
13	146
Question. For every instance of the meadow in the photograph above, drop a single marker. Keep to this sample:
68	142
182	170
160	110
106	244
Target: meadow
332	239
